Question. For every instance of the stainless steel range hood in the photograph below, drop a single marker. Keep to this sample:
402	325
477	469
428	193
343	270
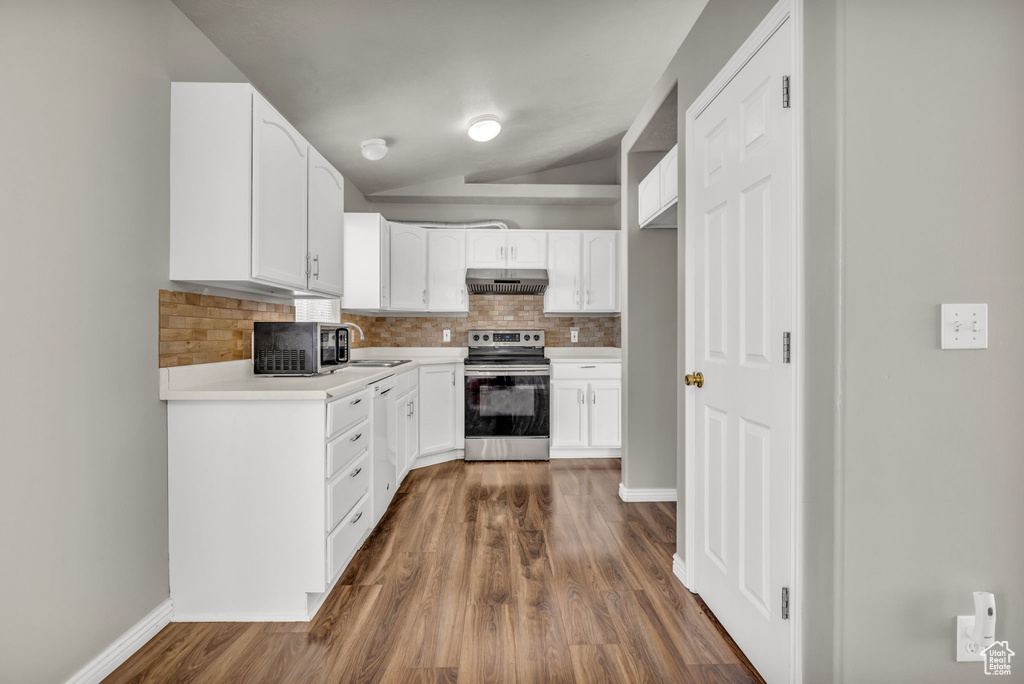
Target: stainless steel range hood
506	281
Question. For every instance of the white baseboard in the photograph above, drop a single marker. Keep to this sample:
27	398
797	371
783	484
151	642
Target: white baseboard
638	494
434	459
125	646
242	617
679	570
570	452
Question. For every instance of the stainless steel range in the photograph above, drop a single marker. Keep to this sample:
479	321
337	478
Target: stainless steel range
508	396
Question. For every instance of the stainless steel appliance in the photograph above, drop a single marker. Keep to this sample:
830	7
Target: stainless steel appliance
302	348
508	396
506	281
385	445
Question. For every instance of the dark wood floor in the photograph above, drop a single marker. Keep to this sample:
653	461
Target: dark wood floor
483	572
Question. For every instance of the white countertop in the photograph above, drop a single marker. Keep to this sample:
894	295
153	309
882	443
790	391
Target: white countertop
235	381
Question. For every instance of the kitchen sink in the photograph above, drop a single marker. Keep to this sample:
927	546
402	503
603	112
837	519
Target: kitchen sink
378	363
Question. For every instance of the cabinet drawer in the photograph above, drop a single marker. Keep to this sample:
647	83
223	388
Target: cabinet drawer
586	371
346	488
344	539
345	412
346	447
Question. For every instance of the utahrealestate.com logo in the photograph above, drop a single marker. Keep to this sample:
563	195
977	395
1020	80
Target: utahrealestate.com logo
997	659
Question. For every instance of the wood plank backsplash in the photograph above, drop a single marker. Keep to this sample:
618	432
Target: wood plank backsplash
204	329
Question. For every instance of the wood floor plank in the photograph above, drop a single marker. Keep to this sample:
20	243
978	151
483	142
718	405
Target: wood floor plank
601	664
483	572
488	654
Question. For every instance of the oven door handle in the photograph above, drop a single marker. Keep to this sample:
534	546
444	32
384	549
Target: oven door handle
505	373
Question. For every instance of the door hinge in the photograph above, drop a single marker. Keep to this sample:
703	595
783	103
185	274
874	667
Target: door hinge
785	92
785	603
786	348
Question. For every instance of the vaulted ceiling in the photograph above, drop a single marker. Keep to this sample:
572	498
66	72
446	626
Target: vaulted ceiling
566	77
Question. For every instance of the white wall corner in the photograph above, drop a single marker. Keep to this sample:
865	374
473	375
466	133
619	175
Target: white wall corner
634	494
124	646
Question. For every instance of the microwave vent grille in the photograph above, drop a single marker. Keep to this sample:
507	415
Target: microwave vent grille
281	361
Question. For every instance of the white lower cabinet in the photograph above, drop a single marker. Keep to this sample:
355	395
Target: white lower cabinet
441	397
586	409
408	431
347	536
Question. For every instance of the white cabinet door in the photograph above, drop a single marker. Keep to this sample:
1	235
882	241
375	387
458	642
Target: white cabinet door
649	196
564	271
408	268
600	270
413	426
568	413
278	198
446	270
437	408
385	264
486	248
527	249
668	169
404	443
605	413
325	221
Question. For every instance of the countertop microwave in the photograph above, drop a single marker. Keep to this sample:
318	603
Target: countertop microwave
304	348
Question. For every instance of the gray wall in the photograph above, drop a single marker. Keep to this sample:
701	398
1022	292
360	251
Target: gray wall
933	188
652	330
524	216
84	228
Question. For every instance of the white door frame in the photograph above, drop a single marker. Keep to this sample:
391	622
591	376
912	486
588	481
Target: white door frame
791	10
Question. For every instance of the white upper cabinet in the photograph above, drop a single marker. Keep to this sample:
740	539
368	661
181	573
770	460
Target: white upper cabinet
507	249
408	267
367	256
658	192
326	222
583	272
240	194
601	270
527	249
446	270
565	271
485	248
278	198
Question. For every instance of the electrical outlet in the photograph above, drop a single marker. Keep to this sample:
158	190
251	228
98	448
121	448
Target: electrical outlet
574	335
446	335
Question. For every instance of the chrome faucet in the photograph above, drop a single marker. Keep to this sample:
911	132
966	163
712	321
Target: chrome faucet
353	325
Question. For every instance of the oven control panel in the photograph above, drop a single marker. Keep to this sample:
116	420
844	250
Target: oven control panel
506	338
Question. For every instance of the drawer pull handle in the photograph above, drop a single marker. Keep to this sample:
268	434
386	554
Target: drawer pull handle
356	519
588	366
355	438
355	401
355	472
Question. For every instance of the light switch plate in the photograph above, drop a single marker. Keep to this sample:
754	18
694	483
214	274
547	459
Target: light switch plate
574	335
965	326
446	335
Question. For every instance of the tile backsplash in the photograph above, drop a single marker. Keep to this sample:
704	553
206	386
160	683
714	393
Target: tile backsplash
485	311
203	329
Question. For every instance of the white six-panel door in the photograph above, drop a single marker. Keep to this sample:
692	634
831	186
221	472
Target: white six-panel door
740	238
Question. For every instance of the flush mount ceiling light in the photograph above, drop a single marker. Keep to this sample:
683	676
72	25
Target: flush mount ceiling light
484	128
374	149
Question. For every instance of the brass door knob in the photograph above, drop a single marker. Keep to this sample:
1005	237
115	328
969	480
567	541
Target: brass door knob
694	379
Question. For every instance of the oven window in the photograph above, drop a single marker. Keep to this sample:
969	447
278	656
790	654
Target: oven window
507	406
